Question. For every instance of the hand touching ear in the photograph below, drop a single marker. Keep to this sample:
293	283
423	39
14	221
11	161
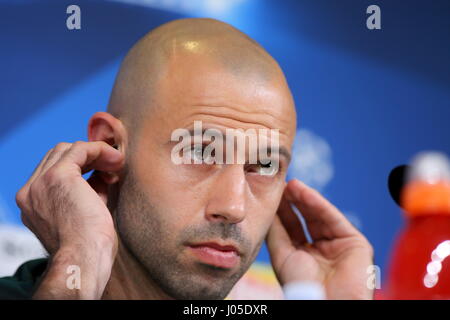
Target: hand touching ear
339	255
70	217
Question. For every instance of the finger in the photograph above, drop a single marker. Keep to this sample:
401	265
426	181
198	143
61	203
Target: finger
291	222
49	159
322	218
37	170
278	242
55	155
97	155
98	184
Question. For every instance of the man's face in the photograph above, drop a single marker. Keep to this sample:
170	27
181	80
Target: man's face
165	210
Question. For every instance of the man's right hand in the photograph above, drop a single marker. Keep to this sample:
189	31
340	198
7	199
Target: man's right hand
70	217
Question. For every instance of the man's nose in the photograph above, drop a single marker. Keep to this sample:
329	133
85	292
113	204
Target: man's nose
227	201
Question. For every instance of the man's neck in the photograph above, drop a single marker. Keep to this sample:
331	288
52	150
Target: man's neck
130	280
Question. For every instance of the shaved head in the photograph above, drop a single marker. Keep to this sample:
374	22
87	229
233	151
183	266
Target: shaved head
183	72
217	43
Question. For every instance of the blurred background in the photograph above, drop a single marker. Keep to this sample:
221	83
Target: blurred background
367	100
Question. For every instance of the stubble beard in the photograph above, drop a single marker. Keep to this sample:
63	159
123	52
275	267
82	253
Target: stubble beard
141	229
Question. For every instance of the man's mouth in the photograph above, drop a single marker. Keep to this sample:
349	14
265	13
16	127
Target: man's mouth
223	256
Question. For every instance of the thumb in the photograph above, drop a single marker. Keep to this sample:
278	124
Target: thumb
279	243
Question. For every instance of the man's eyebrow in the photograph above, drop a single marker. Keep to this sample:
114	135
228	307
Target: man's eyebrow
193	131
281	150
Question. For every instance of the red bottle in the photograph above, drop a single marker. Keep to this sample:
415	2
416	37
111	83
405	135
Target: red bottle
420	265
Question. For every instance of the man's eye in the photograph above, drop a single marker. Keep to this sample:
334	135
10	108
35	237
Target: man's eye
266	165
264	168
267	168
195	154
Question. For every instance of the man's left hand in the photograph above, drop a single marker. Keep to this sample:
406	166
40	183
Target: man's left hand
337	258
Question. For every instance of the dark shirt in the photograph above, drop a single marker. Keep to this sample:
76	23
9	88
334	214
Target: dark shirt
23	283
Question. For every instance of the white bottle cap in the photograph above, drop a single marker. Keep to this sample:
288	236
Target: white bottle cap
429	167
304	290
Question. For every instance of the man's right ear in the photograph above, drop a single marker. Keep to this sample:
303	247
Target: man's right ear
103	126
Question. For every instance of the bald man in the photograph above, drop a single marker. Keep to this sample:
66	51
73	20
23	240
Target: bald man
144	227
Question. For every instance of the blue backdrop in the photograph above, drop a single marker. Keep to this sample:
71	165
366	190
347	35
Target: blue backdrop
367	100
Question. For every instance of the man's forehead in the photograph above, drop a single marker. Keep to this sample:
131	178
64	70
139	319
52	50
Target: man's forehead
205	89
201	62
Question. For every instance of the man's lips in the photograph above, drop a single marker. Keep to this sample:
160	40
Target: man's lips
212	253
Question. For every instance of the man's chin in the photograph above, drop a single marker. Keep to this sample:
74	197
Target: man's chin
205	282
199	289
